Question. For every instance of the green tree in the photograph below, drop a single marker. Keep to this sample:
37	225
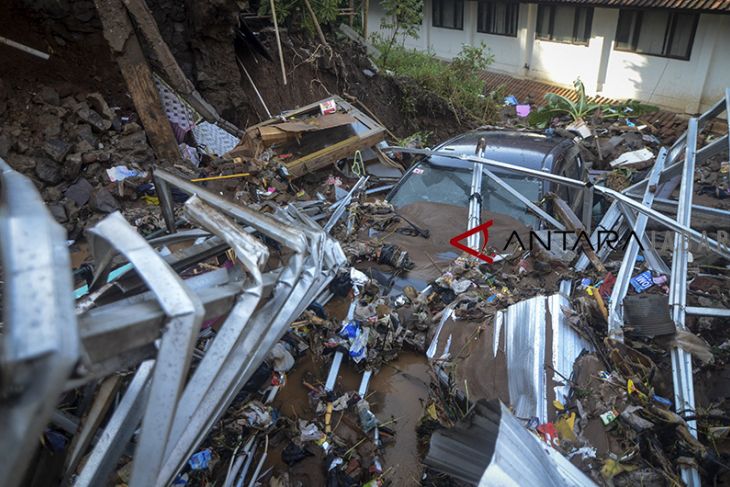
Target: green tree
402	19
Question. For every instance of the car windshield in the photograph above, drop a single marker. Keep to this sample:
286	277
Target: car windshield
434	183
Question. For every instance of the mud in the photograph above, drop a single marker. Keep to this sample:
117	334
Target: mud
396	394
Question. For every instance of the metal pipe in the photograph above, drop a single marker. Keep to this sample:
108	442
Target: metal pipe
24	48
615	312
334	370
704	311
681	360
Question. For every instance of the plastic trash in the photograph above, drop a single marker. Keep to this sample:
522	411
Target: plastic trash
642	282
200	460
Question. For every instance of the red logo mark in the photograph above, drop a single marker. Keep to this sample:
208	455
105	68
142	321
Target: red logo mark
484	228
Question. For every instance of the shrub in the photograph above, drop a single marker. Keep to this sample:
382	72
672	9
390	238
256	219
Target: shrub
459	82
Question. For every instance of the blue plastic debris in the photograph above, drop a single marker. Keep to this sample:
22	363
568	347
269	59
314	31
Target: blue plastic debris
200	460
662	400
181	480
585	282
511	100
55	441
642	282
349	329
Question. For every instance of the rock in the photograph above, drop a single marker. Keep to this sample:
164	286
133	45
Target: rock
83	146
48	171
133	141
80	192
52	193
48	95
59	213
98	103
21	147
103	201
131	127
72	166
69	102
72	211
368	73
51	125
93	170
91	117
21	163
56	149
6	144
84	132
83	11
88	157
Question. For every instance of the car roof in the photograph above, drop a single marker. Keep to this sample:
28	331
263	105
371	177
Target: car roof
526	149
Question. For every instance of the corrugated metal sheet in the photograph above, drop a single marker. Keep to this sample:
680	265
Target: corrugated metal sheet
490	447
524	325
524	328
717	6
567	345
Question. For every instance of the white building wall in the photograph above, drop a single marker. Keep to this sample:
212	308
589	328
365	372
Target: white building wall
718	72
562	63
507	51
672	83
688	86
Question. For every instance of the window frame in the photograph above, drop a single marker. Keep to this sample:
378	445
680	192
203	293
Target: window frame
588	26
454	3
634	36
510	4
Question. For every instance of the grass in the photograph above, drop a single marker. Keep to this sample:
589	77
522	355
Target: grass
458	82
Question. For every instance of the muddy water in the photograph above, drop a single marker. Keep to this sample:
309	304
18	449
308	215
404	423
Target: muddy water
401	391
397	392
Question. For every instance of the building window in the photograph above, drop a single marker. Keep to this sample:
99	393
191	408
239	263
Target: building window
498	18
448	14
660	33
562	23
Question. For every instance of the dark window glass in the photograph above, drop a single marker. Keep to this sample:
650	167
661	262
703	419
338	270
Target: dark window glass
498	18
448	14
657	33
564	23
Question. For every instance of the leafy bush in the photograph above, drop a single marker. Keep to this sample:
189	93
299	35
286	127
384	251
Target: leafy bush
402	19
325	10
458	82
558	105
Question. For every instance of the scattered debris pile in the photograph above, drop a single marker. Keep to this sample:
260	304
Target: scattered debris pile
239	305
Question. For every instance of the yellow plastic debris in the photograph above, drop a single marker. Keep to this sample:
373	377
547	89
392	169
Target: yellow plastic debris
565	426
612	468
431	410
558	405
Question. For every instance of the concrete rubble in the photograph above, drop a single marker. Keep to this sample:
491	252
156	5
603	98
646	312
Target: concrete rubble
261	311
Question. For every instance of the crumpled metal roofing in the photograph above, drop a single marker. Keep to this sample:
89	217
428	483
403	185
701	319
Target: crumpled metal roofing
490	447
525	328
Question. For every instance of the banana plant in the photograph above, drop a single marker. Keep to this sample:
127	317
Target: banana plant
582	107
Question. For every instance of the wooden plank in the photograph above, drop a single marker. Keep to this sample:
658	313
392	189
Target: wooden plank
573	223
119	33
169	66
330	155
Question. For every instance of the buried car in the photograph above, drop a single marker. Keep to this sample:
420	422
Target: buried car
441	197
